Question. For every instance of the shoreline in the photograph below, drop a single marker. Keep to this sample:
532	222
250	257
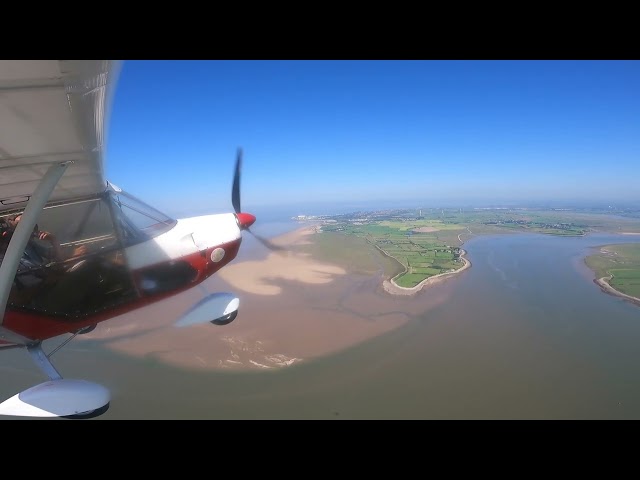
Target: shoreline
604	285
390	286
603	282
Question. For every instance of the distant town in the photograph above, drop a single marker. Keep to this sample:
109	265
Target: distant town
504	215
559	221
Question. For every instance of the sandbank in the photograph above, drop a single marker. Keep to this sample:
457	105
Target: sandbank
260	276
292	308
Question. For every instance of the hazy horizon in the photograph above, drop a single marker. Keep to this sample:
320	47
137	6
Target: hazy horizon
276	213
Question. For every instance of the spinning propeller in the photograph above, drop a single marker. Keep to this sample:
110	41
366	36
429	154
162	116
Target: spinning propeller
245	220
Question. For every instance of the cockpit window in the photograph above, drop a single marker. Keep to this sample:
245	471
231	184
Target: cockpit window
86	222
73	265
138	221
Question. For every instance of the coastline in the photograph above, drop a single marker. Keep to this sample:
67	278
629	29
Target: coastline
297	236
390	286
604	285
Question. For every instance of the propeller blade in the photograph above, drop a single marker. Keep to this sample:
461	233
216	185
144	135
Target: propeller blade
245	219
270	245
235	190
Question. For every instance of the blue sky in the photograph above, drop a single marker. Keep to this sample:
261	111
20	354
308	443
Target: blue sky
319	134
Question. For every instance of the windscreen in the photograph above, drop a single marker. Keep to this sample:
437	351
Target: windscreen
136	220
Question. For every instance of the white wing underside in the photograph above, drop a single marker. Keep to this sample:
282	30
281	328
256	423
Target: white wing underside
53	111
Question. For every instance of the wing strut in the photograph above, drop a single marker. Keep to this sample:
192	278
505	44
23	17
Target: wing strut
20	238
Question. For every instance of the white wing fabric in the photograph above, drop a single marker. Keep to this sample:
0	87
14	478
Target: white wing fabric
53	111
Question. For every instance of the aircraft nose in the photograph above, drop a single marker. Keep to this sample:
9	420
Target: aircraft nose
245	220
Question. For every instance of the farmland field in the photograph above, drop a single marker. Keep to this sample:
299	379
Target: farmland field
622	262
421	253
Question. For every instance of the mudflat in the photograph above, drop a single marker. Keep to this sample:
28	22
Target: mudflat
293	308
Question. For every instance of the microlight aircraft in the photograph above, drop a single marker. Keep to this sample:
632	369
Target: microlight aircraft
76	249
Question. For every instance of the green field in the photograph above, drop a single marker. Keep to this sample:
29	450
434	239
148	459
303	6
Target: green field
626	281
622	262
421	254
531	220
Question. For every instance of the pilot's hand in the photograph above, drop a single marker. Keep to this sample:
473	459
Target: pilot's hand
81	250
46	236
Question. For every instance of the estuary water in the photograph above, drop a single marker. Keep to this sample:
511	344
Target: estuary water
523	334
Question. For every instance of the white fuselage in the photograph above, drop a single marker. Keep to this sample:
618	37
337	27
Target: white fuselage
188	236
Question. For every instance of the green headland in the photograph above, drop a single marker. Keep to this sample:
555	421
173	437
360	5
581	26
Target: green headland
619	267
428	242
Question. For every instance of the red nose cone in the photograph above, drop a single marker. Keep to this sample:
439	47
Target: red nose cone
245	220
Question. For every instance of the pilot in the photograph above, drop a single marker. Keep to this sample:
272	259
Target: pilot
35	253
88	284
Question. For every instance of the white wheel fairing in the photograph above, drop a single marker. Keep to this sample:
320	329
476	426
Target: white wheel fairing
212	307
57	398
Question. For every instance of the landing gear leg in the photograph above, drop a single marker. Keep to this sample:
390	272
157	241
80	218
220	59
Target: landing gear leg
43	362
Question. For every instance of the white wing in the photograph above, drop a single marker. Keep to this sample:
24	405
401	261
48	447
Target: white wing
53	111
